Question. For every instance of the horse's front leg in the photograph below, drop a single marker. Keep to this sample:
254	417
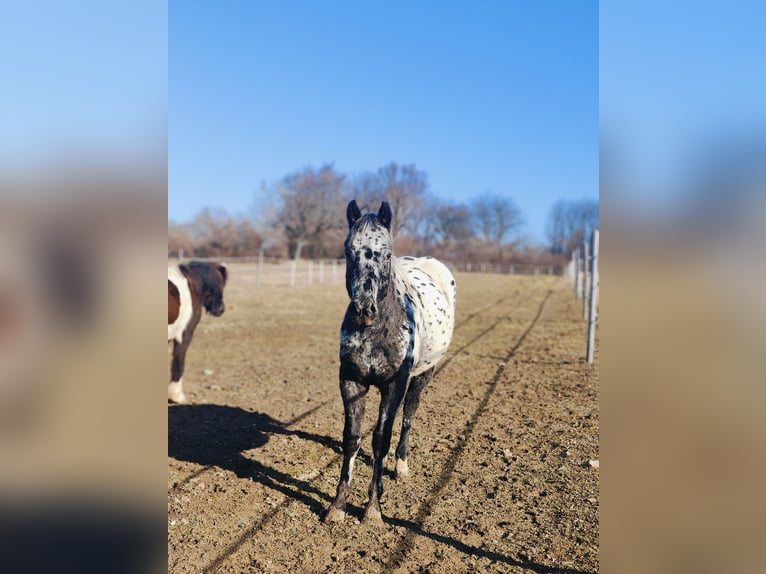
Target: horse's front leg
175	387
353	395
391	394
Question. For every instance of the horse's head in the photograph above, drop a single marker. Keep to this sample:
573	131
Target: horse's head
209	280
213	298
369	248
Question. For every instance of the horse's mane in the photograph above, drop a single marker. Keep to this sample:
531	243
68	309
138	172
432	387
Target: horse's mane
203	275
367	220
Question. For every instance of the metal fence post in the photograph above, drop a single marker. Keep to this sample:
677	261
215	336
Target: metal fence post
593	300
585	289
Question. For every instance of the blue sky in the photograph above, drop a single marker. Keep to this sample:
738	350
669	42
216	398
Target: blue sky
483	96
82	79
678	80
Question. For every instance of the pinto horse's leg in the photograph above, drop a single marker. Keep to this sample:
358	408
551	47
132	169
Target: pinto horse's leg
411	402
175	388
354	395
391	394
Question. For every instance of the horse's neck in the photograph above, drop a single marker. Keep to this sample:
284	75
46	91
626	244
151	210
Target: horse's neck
392	305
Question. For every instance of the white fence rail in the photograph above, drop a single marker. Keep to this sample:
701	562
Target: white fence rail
274	272
510	268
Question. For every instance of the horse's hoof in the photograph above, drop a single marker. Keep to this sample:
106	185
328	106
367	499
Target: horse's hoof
402	469
372	517
176	392
334	515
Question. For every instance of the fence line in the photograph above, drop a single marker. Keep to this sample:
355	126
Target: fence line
510	268
583	273
273	271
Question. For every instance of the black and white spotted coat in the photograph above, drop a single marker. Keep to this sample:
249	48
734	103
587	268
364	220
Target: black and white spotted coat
417	312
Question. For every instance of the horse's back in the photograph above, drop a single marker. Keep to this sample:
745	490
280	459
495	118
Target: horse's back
431	287
437	272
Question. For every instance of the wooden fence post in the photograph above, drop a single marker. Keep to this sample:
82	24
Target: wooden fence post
292	273
181	255
593	299
311	272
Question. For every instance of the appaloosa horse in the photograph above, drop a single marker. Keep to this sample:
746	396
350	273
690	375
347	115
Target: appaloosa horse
191	286
397	326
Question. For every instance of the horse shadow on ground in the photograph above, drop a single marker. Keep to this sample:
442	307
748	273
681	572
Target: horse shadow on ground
222	436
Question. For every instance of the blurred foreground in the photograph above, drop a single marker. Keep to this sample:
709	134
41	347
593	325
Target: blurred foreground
82	413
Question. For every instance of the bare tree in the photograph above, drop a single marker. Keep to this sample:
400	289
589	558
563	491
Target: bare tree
179	239
569	222
447	229
452	222
312	206
214	233
403	187
495	217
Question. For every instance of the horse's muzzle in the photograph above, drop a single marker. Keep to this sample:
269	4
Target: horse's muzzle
218	310
366	311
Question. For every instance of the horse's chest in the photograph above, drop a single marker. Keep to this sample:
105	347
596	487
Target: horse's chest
371	355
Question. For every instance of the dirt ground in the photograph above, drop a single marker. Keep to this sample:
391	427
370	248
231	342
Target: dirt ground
500	472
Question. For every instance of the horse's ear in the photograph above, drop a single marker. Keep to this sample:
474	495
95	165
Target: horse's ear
224	272
384	214
352	212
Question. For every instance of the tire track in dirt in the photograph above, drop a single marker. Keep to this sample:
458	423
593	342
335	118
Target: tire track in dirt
279	481
406	545
480	311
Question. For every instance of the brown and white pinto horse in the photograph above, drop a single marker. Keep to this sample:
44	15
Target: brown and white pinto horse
191	286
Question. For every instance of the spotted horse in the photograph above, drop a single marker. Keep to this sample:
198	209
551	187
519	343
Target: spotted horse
191	287
397	327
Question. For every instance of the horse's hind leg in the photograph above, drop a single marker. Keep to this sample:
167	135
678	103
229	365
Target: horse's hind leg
411	402
353	405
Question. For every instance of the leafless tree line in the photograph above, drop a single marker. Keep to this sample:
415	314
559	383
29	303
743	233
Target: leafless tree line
569	223
306	218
